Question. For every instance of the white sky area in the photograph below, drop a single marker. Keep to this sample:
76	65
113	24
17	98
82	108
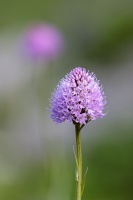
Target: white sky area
13	73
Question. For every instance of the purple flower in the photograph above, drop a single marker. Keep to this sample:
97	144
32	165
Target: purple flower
43	42
78	98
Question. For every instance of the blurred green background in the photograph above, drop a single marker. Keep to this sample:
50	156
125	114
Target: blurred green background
36	155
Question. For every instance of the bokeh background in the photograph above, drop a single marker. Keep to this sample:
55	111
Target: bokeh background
36	155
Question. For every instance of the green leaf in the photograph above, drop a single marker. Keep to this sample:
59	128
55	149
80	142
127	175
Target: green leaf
75	157
83	182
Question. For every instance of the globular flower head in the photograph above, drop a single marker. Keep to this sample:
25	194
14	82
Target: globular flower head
78	98
43	42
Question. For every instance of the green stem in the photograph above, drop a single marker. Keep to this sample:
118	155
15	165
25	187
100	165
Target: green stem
79	161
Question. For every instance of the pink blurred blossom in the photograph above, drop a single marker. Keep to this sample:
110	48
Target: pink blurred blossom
43	42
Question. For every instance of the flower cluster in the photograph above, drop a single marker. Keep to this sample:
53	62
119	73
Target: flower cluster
78	98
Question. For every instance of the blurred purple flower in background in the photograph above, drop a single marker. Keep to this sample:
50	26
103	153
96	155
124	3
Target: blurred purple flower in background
43	42
78	98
